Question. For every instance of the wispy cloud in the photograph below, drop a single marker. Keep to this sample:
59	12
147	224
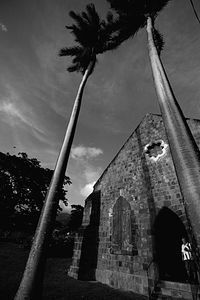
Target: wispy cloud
82	152
15	116
3	27
20	115
12	111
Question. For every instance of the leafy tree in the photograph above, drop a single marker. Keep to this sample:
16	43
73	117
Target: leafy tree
24	183
7	201
76	217
133	15
93	37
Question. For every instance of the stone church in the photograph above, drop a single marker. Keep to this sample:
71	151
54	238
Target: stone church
135	218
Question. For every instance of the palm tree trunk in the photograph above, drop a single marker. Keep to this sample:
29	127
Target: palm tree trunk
31	284
194	10
184	151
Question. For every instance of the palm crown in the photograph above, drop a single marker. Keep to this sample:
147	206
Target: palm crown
139	7
132	15
92	35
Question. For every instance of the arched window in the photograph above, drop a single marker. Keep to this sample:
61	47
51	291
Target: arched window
122	228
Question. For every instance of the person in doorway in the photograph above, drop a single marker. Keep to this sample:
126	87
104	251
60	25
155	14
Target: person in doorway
186	250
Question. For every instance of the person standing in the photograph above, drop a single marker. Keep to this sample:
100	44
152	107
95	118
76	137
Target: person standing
186	250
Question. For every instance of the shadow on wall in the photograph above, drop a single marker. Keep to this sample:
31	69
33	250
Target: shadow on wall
147	186
90	243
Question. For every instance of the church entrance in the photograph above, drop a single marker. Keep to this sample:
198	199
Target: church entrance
169	230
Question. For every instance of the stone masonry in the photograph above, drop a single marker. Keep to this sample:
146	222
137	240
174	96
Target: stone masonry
134	213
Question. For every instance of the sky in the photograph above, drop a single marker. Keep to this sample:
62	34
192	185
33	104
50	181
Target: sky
37	92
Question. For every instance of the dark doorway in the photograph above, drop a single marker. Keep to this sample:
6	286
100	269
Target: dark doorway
168	230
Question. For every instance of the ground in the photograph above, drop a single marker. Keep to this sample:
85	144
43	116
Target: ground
57	285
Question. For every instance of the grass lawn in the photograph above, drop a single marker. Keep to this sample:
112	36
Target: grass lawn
57	285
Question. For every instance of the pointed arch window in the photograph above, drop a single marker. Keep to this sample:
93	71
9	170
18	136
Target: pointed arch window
123	237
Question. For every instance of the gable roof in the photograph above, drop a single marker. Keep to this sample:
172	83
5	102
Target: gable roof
148	115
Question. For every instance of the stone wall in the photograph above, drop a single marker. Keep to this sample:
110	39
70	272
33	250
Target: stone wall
136	192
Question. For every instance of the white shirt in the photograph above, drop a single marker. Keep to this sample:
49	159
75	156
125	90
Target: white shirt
186	251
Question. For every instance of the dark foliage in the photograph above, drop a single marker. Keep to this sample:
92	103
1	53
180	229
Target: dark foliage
158	40
63	218
61	244
138	7
92	35
76	217
62	241
132	15
24	184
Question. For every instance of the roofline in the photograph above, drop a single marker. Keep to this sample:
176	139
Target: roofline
126	141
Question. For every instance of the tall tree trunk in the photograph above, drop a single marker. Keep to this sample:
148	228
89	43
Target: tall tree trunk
184	151
194	10
32	280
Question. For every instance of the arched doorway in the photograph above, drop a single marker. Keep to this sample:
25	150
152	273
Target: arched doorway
168	230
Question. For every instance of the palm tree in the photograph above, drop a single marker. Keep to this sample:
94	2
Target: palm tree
133	15
93	36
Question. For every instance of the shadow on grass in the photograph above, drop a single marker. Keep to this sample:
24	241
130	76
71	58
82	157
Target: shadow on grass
57	285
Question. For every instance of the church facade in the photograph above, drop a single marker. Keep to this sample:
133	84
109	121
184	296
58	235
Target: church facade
135	219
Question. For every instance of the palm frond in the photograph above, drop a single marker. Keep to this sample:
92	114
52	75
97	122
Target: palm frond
80	22
71	51
155	6
158	40
132	15
110	17
137	8
92	36
92	14
86	17
109	33
73	68
120	6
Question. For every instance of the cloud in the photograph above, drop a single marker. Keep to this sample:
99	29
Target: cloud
83	172
15	116
87	189
3	27
19	114
21	119
11	110
92	173
81	152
